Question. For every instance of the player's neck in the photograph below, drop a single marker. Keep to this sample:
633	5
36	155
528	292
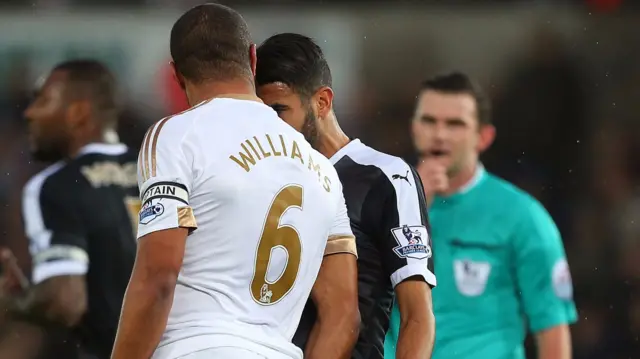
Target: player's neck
77	144
205	91
462	178
332	138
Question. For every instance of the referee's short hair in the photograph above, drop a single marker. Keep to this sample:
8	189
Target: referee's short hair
211	42
461	83
294	60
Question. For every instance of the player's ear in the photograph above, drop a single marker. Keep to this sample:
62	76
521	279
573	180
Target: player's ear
254	59
176	75
487	135
324	101
78	113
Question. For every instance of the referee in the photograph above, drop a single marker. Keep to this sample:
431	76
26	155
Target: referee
80	213
384	196
499	251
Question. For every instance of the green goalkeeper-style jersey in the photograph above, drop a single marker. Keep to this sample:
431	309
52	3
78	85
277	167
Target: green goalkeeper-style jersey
501	271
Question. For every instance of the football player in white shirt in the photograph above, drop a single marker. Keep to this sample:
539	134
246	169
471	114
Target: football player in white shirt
239	217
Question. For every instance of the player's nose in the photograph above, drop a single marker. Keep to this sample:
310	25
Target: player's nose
28	113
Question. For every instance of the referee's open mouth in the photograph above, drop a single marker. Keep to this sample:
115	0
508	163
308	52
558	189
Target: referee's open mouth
438	153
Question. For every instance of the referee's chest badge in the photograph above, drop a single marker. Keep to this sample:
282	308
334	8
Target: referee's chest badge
413	242
471	277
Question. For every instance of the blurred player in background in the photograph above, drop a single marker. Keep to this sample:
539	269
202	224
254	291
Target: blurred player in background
259	206
78	213
385	201
500	254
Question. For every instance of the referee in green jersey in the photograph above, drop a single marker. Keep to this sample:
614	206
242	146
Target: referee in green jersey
501	263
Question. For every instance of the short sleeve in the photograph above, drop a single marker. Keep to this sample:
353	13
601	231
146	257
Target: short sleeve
543	275
57	237
341	239
405	242
165	180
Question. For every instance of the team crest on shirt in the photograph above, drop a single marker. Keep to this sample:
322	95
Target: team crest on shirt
471	276
150	211
412	242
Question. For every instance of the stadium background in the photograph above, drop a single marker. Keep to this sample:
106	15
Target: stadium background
563	76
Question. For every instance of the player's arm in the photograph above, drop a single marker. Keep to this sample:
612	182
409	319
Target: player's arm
335	294
544	281
59	255
164	176
403	218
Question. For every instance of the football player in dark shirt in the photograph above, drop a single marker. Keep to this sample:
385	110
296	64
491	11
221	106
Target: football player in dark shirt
385	202
80	212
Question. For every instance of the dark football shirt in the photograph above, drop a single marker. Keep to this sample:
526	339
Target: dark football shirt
80	216
388	213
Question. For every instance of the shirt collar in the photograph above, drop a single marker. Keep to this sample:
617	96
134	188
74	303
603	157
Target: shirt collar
473	182
352	145
104	148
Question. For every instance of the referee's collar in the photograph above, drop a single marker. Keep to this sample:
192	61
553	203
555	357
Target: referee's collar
351	146
477	178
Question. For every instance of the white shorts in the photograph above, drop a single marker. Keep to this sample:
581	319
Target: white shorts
224	353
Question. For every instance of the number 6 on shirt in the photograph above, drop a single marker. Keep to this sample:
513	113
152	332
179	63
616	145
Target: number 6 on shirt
275	235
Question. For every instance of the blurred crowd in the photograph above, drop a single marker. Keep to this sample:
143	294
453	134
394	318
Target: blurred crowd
566	111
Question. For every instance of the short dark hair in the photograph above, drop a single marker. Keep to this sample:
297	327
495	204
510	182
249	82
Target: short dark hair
93	80
461	83
211	42
295	60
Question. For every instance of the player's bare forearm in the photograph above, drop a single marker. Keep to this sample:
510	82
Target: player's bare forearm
144	316
416	338
417	322
333	338
554	343
61	299
335	294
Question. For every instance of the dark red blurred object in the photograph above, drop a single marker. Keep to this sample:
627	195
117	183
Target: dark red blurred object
176	99
604	5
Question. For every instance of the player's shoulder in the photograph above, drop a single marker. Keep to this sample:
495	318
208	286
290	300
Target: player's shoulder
172	129
63	178
388	167
222	112
103	152
51	175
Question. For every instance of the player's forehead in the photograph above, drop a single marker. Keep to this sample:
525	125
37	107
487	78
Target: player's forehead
278	92
52	84
445	105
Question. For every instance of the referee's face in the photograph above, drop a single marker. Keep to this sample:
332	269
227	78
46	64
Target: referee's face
445	127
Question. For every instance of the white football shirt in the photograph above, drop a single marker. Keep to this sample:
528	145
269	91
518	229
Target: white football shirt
263	207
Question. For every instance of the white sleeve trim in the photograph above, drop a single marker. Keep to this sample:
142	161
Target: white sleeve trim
44	271
411	270
35	229
61	252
